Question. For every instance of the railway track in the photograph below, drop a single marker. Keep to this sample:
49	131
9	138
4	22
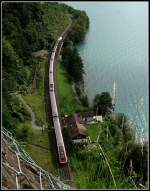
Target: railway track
64	169
65	172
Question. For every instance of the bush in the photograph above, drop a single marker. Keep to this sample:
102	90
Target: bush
73	64
139	157
102	103
22	133
84	100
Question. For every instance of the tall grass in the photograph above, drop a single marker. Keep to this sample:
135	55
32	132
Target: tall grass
98	165
68	102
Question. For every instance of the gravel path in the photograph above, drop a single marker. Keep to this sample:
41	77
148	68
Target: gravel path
28	108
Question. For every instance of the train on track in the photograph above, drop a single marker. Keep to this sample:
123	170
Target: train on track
57	127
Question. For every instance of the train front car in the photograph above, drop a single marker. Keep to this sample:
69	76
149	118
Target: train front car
62	155
59	139
57	128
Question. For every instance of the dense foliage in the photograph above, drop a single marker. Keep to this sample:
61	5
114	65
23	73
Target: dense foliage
103	103
73	64
80	25
28	27
71	60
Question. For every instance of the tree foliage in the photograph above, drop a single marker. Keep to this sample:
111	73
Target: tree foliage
138	153
73	64
103	103
80	25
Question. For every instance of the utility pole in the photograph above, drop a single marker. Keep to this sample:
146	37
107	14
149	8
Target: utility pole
114	93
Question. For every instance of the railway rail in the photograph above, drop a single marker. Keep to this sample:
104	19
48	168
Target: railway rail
64	169
62	156
65	172
55	115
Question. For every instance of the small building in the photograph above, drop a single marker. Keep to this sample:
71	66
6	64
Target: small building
85	117
89	118
78	132
80	141
98	118
76	123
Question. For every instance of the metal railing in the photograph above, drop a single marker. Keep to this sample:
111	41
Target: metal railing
53	182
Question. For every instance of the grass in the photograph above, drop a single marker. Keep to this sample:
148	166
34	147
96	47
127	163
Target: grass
39	149
36	100
95	168
38	143
90	169
92	172
93	131
68	101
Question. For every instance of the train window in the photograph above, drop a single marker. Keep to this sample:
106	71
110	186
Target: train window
51	87
62	156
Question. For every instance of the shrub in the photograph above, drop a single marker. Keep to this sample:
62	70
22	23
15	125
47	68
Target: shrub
22	133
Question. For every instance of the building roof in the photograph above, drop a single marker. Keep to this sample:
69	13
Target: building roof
76	128
86	114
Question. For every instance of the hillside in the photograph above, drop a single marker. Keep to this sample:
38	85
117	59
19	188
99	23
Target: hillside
19	171
29	31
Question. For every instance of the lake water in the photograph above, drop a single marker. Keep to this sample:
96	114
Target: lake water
116	48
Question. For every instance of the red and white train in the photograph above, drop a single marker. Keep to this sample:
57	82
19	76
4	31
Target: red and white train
58	133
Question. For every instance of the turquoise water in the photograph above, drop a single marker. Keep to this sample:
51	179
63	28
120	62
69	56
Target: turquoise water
116	48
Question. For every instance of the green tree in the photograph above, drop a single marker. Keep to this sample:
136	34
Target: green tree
80	25
103	103
73	64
